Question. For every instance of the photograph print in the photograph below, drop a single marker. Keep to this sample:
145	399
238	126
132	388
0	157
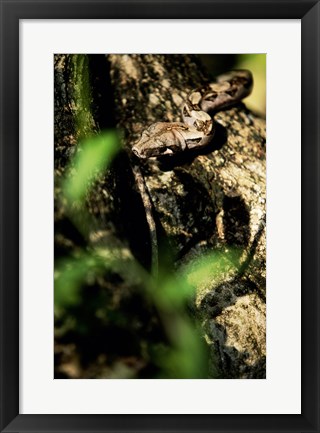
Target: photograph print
159	216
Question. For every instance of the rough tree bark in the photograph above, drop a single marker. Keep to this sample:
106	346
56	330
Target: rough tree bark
202	202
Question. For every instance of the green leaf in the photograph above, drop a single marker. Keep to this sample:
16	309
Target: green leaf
212	267
93	157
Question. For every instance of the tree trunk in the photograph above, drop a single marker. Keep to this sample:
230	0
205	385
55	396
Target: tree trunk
208	201
213	200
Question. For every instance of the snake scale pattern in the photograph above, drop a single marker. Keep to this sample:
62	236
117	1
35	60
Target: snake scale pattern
198	127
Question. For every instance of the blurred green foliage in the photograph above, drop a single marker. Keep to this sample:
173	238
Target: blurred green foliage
93	158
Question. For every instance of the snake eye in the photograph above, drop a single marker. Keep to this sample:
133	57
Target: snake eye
167	152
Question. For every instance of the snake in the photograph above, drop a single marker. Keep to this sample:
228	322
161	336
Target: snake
198	127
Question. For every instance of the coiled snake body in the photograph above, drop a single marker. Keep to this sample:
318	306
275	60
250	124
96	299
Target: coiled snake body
197	128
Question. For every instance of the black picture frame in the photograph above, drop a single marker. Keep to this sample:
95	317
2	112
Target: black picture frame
11	12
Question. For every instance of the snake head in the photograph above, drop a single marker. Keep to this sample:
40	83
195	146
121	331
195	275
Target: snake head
160	139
